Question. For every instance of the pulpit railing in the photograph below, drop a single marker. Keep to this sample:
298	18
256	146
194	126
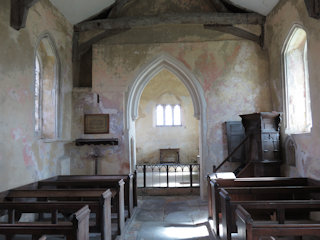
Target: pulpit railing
167	175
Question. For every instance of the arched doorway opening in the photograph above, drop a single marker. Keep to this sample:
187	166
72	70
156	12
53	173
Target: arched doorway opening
197	95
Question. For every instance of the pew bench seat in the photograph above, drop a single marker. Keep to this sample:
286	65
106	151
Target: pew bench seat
76	229
250	229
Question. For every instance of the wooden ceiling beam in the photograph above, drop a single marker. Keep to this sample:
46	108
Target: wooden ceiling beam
84	47
219	6
238	32
189	18
19	12
119	4
313	7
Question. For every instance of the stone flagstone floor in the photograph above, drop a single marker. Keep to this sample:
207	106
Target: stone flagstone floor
169	217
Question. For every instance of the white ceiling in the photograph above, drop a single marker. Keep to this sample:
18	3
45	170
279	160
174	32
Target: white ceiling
78	10
263	7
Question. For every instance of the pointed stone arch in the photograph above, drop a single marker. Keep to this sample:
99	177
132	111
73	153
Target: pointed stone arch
147	72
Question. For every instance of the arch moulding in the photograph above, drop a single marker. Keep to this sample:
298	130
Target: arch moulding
197	95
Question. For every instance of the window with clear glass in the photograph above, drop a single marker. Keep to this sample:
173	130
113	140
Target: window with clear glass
168	115
297	93
37	95
46	84
160	115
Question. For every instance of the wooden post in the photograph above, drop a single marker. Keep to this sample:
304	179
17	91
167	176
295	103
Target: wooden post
190	175
167	168
135	197
214	168
144	176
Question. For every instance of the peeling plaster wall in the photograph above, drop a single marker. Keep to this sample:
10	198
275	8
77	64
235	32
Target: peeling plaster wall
166	88
278	25
110	159
233	74
23	157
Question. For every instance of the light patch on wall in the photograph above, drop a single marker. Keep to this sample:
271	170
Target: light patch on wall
17	134
18	95
27	155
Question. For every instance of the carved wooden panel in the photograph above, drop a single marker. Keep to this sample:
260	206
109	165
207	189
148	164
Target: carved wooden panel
235	134
263	148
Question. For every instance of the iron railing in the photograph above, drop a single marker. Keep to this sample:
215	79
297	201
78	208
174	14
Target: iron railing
168	175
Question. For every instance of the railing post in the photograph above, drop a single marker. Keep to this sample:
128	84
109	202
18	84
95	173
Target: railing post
190	175
167	175
144	176
135	196
214	168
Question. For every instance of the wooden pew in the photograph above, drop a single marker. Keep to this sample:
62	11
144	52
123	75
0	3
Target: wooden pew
77	229
231	197
102	222
97	181
67	182
248	229
214	186
78	195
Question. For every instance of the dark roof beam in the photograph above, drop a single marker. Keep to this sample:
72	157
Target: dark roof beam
219	6
189	18
19	12
238	32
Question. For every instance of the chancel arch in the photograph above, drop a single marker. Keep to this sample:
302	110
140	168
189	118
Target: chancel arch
150	70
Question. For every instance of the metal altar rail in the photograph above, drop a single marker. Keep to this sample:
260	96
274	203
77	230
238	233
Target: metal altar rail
168	175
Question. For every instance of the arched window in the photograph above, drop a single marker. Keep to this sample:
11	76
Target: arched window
177	115
296	82
46	89
168	115
37	100
160	115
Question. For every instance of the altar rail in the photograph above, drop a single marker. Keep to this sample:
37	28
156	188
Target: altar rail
167	175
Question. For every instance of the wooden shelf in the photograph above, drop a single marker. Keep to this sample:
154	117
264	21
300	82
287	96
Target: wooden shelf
100	141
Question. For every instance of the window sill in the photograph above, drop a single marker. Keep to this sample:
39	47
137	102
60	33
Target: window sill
54	140
168	126
292	132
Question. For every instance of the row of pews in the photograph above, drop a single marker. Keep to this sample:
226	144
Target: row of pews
72	206
259	207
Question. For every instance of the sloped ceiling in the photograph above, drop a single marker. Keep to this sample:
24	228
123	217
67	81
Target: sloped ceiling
78	10
263	7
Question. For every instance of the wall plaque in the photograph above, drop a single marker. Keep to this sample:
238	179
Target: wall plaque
96	123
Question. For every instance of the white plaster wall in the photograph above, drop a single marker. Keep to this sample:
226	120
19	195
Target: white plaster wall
278	26
23	157
166	88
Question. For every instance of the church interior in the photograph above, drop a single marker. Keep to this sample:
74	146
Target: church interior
209	103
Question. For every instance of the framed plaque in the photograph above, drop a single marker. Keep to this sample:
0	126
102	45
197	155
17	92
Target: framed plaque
96	123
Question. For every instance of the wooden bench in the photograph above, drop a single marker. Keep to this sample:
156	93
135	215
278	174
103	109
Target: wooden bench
97	181
102	223
214	186
231	197
77	229
79	195
248	229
